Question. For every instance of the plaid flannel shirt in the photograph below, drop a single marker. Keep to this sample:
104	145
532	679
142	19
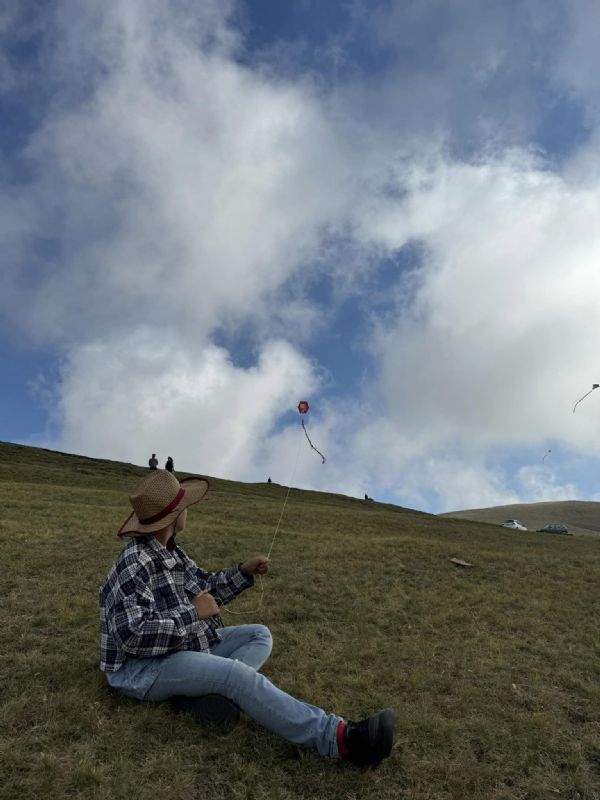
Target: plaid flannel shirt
145	603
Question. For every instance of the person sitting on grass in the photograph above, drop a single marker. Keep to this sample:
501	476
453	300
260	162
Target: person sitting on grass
162	637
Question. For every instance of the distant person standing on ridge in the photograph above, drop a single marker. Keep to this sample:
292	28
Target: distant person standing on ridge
153	462
269	480
160	634
169	464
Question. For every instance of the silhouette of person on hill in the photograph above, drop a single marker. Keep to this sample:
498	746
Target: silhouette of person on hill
153	462
162	637
269	480
169	464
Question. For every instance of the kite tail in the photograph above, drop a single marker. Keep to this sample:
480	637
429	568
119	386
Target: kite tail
312	445
580	399
595	386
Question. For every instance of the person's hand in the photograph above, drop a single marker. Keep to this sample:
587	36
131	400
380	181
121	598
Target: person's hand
205	604
258	565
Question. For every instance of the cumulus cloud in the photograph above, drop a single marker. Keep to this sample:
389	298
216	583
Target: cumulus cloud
175	188
180	184
538	484
381	456
122	398
499	334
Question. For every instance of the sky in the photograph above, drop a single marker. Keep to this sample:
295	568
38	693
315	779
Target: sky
212	209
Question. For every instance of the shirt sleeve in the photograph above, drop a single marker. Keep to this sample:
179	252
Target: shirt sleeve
141	631
224	585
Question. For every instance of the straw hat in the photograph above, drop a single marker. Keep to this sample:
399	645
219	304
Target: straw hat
159	499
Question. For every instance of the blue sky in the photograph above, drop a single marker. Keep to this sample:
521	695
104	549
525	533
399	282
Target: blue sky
210	210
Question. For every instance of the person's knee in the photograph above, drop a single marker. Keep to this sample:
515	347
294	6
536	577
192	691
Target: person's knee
263	634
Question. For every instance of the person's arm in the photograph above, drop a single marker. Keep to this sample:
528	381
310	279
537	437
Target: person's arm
224	586
142	631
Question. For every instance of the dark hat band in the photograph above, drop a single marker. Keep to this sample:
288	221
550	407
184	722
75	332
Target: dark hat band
165	511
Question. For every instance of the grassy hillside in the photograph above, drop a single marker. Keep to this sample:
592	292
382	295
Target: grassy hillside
580	517
493	670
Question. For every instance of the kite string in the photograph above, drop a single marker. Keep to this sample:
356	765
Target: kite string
260	580
279	522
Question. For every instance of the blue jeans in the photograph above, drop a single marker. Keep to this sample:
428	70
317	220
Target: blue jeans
231	669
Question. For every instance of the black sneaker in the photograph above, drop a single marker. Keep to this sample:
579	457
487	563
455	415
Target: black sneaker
209	709
369	741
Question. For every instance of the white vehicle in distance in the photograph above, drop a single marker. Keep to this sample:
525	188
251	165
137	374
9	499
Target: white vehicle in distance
514	524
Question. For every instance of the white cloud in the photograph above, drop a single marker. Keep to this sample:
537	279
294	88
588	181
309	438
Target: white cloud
175	191
499	338
125	398
180	184
367	453
538	484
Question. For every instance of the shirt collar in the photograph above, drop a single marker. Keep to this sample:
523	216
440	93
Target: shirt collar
165	555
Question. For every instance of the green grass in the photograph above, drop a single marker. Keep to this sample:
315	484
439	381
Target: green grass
493	671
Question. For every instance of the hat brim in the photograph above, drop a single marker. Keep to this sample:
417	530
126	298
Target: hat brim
195	489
